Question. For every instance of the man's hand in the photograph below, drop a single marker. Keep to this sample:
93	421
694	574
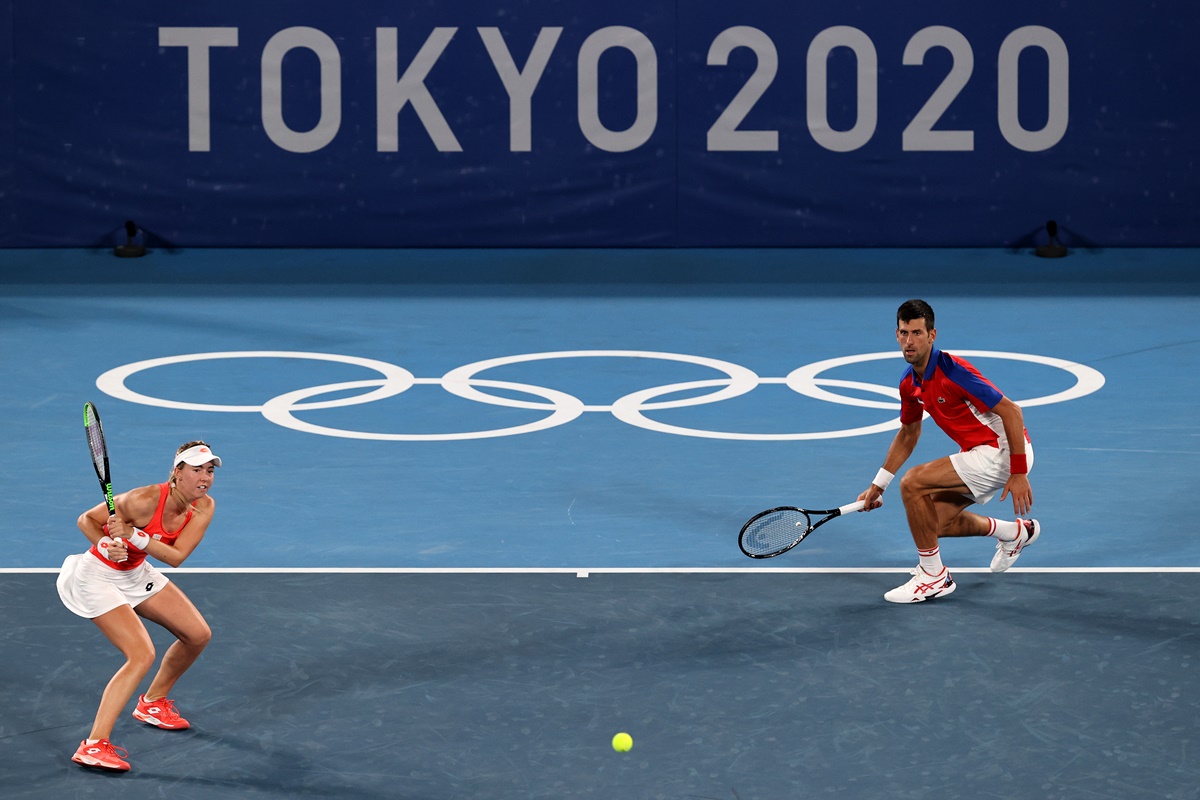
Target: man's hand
1022	493
872	498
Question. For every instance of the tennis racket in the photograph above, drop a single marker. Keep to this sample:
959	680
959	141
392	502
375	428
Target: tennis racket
95	438
775	531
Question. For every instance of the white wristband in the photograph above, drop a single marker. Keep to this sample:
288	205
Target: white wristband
139	539
883	478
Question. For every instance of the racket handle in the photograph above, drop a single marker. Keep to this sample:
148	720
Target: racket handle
857	505
102	548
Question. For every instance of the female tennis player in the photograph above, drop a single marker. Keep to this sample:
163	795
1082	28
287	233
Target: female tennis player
114	586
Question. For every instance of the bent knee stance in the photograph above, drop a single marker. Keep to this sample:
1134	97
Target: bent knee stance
937	480
141	658
911	484
197	638
206	637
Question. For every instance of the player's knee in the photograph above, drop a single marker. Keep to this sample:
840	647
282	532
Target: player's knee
141	658
910	483
198	637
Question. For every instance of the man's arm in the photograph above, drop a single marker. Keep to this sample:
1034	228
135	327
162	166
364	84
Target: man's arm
1018	482
901	448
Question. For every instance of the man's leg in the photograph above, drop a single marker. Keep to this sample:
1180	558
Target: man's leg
931	492
935	500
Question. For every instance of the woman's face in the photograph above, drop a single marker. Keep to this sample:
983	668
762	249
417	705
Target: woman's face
195	482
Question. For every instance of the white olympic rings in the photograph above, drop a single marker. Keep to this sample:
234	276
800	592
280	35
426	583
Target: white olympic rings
563	407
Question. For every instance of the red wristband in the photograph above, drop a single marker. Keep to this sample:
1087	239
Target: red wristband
1018	464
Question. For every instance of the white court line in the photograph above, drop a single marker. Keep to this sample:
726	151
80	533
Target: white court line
584	572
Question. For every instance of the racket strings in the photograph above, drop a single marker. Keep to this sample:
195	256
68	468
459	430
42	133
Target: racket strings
95	437
775	531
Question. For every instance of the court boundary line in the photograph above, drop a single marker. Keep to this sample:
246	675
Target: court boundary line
586	571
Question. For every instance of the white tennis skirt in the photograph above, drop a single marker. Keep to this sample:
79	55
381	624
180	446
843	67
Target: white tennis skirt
89	588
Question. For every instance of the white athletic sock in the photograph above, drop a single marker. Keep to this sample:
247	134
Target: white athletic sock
92	741
931	561
1004	530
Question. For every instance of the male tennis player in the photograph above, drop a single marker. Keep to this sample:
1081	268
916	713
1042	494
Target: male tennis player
995	456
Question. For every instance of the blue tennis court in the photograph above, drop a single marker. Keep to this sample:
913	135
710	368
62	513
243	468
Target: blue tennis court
478	512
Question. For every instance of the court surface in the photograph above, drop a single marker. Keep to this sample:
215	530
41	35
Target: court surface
479	509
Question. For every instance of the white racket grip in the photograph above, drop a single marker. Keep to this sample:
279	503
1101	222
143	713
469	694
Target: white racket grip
857	505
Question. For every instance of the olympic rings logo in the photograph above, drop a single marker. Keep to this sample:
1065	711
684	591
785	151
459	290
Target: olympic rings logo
560	407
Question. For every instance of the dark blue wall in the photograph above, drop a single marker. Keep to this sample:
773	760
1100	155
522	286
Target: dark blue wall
285	124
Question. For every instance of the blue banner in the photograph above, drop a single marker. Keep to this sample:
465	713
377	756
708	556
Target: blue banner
546	123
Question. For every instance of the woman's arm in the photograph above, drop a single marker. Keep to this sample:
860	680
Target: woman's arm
185	542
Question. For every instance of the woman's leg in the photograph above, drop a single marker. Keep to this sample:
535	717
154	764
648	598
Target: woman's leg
171	609
129	635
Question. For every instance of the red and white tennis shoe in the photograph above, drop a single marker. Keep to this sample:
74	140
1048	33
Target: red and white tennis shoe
921	587
159	713
101	755
1007	553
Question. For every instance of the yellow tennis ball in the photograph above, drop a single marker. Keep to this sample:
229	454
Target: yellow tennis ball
622	742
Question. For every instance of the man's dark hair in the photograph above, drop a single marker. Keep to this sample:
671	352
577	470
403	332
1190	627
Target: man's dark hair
915	309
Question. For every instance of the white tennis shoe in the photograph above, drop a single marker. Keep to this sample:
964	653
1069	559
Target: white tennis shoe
1007	553
921	587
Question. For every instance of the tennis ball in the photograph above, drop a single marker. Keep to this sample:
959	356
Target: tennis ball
622	742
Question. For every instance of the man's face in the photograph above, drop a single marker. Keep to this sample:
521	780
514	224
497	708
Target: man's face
915	340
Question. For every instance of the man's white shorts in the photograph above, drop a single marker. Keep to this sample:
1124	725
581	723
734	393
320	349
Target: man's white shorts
89	588
985	469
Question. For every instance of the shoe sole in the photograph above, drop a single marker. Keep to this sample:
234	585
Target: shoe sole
158	723
945	590
84	761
